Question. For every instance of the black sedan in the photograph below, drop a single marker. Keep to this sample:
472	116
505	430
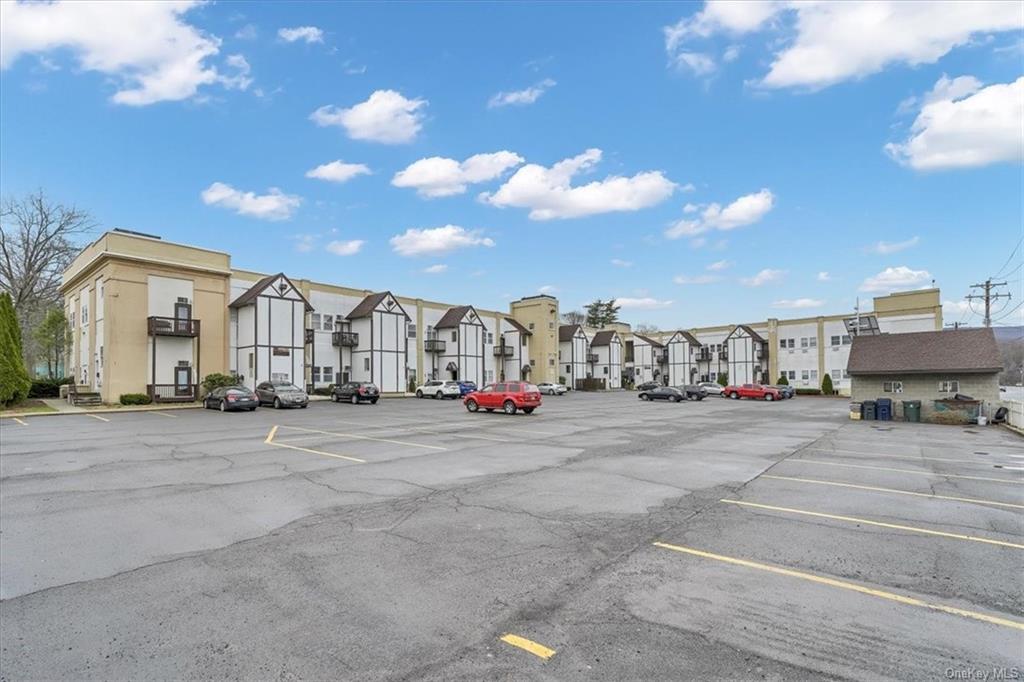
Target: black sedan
647	386
663	393
228	398
355	392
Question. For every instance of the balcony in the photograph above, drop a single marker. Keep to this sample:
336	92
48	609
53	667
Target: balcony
172	326
723	355
704	356
172	393
661	357
591	358
762	354
433	345
309	336
347	339
503	351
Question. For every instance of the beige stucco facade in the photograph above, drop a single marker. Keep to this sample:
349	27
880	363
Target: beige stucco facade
540	315
927	389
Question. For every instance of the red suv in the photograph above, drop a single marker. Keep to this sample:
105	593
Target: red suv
756	391
508	397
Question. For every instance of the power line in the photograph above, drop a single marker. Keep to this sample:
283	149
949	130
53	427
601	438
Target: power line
988	296
1015	309
1009	258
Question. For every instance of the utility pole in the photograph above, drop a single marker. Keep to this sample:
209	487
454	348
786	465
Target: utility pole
988	297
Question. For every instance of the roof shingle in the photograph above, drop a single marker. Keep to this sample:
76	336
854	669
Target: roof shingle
960	350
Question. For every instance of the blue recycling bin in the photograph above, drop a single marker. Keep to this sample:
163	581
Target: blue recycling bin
883	409
868	410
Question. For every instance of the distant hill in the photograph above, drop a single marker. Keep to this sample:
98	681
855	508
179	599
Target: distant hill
1004	334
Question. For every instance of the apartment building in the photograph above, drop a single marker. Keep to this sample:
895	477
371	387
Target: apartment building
574	357
649	359
606	347
151	316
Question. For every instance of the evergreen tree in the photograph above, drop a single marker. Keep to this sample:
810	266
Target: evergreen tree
14	380
826	385
610	312
783	381
595	314
723	379
51	339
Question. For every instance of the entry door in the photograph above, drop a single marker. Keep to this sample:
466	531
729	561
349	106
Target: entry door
183	381
182	316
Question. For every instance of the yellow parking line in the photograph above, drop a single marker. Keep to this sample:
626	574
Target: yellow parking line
880	524
379	440
19	421
909	471
270	436
894	491
534	648
842	584
273	432
96	416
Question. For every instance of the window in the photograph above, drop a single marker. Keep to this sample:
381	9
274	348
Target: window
846	374
782	343
316	321
813	341
846	339
713	376
366	364
803	342
568	368
455	335
792	374
836	340
410	330
85	314
524	342
814	375
892	387
531	325
805	375
316	375
551	362
792	343
490	338
339	321
952	386
604	370
551	325
328	374
836	374
328	323
489	376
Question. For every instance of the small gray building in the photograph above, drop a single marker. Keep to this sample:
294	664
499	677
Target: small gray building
926	366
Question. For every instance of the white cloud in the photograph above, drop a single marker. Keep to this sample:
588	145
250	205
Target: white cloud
435	269
549	194
963	125
698	63
441	177
955	310
304	243
345	248
824	276
688	187
247	32
645	303
731	54
309	34
386	117
766	276
437	240
720	265
547	289
521	97
796	303
893	279
619	263
274	205
149	50
337	171
828	44
240	79
696	279
886	248
745	210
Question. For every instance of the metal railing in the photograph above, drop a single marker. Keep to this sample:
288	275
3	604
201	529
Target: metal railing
172	326
503	351
309	336
591	357
172	393
344	338
433	345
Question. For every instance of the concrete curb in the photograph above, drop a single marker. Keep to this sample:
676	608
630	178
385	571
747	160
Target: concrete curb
117	410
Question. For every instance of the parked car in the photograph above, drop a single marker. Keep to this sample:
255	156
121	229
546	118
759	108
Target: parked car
712	388
355	392
436	388
508	397
648	385
668	393
281	394
552	389
228	398
466	387
755	391
693	391
784	391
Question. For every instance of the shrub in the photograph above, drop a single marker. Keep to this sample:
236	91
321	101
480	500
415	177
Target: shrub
808	391
561	380
723	379
46	388
14	379
323	391
783	381
826	385
134	399
217	380
411	387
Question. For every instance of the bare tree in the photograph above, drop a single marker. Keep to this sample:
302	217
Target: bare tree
37	242
646	328
574	317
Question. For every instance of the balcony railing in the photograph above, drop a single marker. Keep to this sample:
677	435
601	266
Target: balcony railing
704	356
348	339
172	393
661	357
433	345
762	353
723	355
172	326
591	357
503	351
309	336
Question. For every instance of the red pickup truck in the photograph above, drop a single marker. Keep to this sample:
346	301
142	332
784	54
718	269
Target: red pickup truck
756	391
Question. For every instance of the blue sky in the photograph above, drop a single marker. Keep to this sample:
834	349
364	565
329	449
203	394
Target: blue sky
714	159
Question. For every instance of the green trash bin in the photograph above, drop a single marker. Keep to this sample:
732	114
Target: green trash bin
911	410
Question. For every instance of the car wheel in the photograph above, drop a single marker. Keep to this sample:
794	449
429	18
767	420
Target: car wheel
373	401
509	407
734	395
277	403
335	398
439	396
644	396
304	406
472	406
252	409
354	399
769	397
223	406
528	410
419	394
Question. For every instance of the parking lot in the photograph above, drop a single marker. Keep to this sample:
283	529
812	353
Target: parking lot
599	538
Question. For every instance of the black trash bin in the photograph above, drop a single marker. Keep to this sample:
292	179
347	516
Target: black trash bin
868	412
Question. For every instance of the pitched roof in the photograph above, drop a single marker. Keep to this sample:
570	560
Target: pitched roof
959	350
754	335
370	303
689	337
518	327
647	339
256	289
453	317
567	331
603	338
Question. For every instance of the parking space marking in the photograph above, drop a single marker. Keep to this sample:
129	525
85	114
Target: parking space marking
880	524
842	584
358	437
534	648
19	421
96	416
909	471
164	414
884	455
273	432
894	491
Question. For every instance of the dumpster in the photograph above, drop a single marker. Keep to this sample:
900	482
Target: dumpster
868	411
883	409
912	410
855	410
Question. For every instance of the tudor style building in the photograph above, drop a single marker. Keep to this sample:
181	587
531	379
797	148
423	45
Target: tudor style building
746	356
649	359
681	358
607	347
574	357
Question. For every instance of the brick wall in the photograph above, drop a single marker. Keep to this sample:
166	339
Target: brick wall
925	387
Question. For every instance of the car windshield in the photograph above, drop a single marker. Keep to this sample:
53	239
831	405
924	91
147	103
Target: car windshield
286	386
238	391
529	388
